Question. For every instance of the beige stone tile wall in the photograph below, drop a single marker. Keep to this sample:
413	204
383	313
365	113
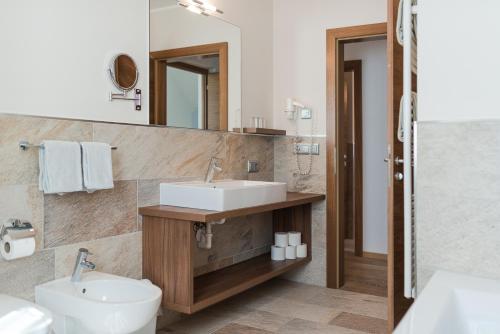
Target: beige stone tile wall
285	170
107	222
457	198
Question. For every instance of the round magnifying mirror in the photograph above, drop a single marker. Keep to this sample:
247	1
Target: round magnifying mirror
123	72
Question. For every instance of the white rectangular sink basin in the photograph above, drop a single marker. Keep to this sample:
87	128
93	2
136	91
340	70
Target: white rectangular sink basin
221	195
454	303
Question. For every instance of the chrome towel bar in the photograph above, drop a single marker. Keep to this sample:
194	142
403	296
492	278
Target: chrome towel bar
24	145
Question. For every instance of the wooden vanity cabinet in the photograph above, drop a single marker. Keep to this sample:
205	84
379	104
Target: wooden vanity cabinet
169	245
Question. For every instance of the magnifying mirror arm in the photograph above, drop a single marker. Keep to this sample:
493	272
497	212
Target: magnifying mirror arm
123	96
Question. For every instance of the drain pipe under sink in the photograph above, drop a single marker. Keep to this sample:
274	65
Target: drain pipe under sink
204	233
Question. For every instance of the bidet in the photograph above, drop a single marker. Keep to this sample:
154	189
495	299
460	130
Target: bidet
101	303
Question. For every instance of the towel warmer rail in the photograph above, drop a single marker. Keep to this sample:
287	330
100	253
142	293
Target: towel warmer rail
409	39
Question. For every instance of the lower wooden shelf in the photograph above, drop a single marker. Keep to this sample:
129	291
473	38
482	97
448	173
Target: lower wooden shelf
224	283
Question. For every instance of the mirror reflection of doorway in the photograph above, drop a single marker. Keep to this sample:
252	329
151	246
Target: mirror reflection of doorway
193	92
190	87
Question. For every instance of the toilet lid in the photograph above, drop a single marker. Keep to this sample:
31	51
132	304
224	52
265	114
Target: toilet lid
22	317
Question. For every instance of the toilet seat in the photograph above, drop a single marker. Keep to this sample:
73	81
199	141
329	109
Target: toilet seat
18	316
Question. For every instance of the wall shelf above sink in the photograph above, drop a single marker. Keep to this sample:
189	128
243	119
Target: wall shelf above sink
261	131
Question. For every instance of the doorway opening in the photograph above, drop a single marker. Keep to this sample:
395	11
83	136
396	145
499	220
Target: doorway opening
364	173
189	87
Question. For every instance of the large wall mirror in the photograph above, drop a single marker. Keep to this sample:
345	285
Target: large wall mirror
150	62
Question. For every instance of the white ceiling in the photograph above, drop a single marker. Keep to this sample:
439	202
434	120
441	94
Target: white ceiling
156	4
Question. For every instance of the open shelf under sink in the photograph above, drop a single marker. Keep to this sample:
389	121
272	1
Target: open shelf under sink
218	285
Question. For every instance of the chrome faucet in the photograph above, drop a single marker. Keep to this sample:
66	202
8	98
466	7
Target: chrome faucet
213	167
81	263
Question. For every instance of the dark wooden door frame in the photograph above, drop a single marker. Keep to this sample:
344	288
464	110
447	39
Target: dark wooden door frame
356	67
158	64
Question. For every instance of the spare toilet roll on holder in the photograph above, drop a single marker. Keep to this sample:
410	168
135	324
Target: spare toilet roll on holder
17	229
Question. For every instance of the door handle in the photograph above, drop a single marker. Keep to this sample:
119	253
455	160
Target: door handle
397	161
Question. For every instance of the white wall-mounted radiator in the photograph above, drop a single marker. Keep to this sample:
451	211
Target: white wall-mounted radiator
407	37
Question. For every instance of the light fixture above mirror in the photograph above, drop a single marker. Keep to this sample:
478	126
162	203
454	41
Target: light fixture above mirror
202	7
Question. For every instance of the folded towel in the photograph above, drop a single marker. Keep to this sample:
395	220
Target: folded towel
60	167
97	166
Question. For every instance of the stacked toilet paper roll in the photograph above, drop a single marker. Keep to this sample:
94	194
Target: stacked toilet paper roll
281	239
302	251
294	238
278	253
288	246
291	253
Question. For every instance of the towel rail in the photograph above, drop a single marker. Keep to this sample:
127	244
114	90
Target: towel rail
24	145
408	10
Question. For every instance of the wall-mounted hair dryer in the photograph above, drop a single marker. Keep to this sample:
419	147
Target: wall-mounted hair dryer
291	108
298	112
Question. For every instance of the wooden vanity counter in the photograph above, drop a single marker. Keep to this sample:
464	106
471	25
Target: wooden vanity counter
205	216
169	245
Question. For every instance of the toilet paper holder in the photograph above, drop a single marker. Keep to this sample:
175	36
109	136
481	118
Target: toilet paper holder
17	229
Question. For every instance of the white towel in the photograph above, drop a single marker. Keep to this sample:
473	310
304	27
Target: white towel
97	166
60	167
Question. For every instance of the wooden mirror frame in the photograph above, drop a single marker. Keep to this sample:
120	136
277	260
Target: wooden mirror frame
158	83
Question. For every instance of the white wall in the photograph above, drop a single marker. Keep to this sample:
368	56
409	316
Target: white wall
255	18
55	54
458	59
175	27
300	51
374	67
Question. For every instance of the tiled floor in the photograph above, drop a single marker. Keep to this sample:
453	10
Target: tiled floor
284	307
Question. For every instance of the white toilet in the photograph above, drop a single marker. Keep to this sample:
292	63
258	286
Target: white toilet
18	316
